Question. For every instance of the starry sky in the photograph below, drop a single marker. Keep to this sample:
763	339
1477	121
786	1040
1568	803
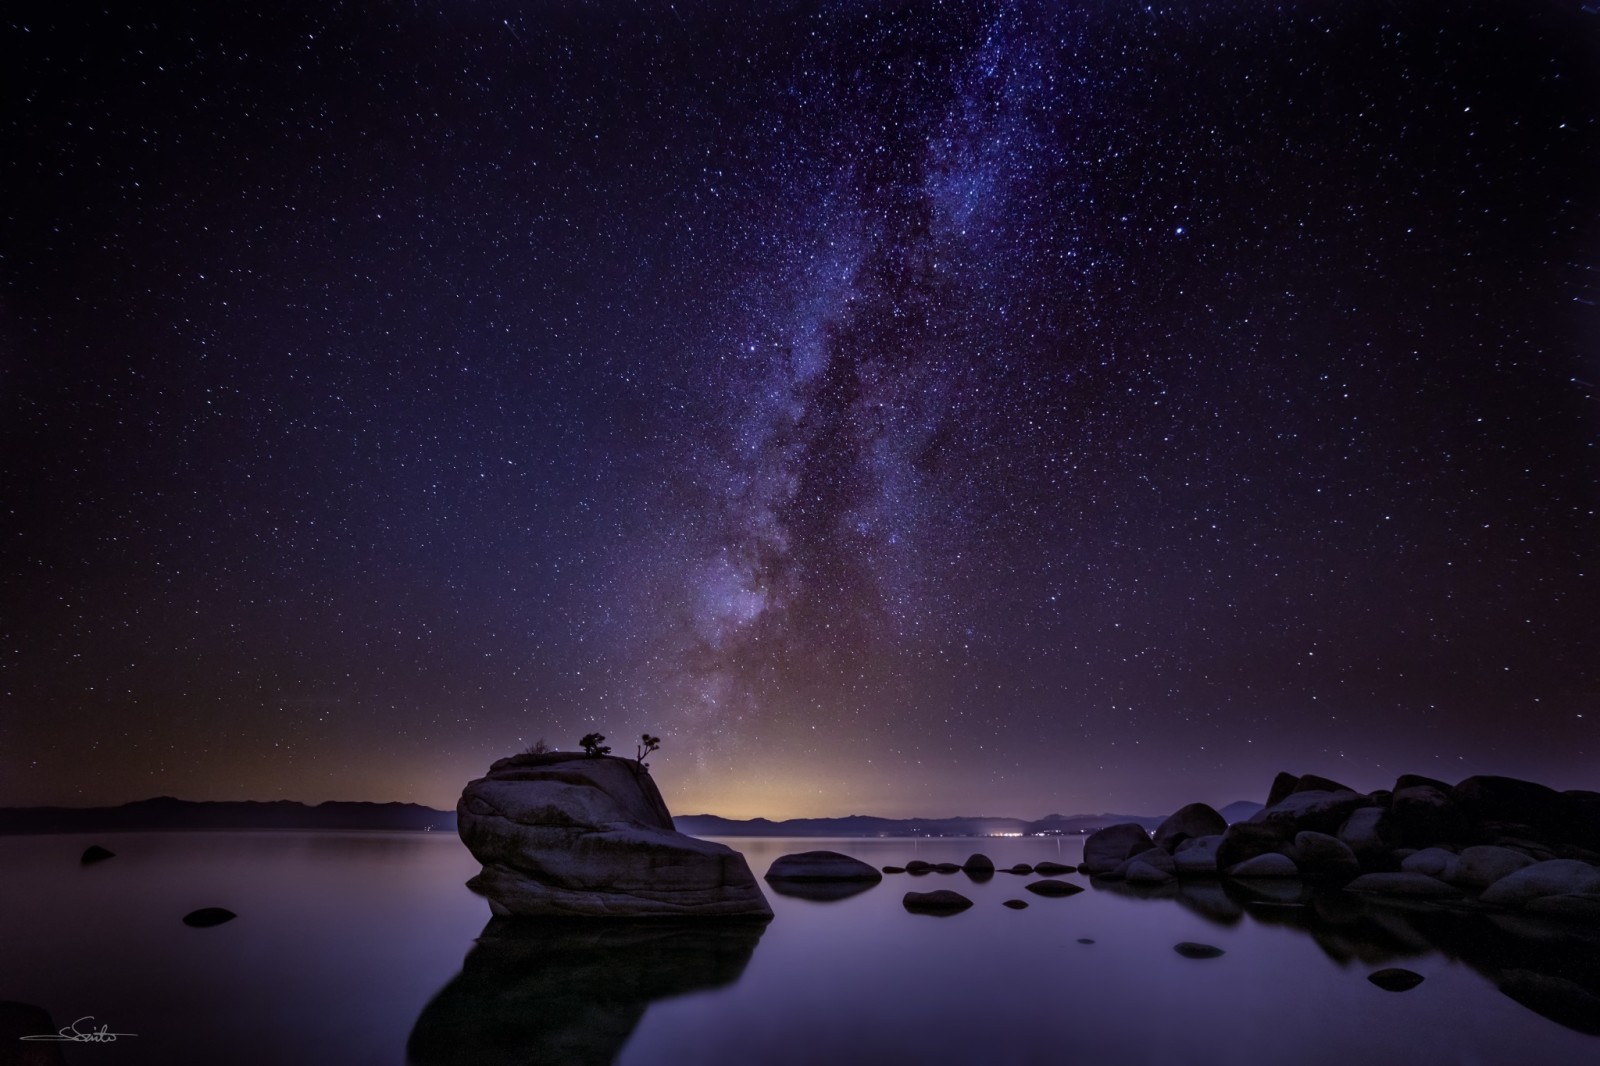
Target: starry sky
898	408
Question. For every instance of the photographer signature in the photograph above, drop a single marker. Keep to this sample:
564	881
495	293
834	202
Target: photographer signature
73	1034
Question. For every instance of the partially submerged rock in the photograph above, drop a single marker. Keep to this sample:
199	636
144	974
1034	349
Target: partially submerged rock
821	866
1051	887
1395	979
1190	950
206	917
569	835
939	901
95	853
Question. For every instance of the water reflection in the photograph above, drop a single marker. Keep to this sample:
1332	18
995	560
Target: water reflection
558	990
819	891
1550	967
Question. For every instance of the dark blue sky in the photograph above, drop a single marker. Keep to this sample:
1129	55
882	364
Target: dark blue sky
925	409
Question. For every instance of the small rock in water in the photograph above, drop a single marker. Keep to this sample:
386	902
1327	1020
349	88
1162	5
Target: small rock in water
917	866
1015	904
95	853
1053	888
1050	869
940	901
1020	868
206	917
1191	950
1394	979
894	869
1085	940
948	867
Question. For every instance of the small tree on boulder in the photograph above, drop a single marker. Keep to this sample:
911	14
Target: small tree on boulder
646	745
594	746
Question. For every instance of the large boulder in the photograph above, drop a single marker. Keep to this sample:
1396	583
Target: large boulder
1197	856
1523	808
1246	840
1557	877
1272	864
569	835
1481	866
1151	867
1108	848
1317	810
1195	820
1323	857
1313	783
1368	834
1435	862
1423	816
1282	785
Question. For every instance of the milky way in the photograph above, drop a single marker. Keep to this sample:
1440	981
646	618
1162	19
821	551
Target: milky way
965	408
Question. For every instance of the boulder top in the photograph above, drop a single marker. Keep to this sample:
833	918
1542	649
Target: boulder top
626	784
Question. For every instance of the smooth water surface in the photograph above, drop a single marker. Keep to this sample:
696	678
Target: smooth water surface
350	945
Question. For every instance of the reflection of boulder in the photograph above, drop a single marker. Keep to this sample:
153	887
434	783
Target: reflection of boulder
1556	998
819	891
571	991
564	835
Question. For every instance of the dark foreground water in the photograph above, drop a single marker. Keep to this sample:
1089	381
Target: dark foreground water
354	948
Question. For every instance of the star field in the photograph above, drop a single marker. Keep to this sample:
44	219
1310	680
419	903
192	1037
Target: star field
965	408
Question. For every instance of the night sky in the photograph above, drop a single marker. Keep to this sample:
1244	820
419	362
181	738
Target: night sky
906	409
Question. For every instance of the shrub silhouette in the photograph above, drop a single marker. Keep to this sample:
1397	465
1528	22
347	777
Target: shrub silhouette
594	746
646	745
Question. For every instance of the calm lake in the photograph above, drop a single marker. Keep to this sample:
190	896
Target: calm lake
349	948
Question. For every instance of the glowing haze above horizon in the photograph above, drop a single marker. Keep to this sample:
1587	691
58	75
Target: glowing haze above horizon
907	409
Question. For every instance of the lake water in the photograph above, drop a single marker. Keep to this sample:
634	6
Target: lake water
349	948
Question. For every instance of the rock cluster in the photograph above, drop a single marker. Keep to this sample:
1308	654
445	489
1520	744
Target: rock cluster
1485	841
569	835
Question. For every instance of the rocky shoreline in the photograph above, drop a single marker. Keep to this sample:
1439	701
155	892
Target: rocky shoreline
1490	843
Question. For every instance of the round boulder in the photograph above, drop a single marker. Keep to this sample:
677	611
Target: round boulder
1323	857
1195	820
821	866
1555	877
1108	848
978	864
1480	866
1271	864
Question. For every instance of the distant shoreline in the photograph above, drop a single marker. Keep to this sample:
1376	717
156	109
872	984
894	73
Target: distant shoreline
165	813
